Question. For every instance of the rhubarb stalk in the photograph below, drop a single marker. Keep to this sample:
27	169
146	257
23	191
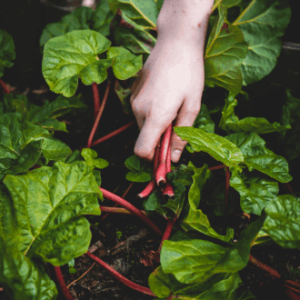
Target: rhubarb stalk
62	283
96	99
168	190
6	90
167	232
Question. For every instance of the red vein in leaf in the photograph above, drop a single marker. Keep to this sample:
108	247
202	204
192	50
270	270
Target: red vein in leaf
62	283
167	232
6	90
161	171
112	134
99	115
96	99
121	278
131	208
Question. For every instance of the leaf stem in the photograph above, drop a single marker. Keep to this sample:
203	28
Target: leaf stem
289	187
6	90
121	278
112	134
216	167
167	232
263	266
99	115
168	190
89	269
131	208
62	283
96	99
117	210
161	171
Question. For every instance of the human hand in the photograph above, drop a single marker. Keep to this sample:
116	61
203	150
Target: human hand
169	87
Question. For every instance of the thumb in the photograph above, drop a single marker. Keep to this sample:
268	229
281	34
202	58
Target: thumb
186	117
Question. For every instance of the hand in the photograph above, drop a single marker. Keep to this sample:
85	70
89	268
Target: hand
169	87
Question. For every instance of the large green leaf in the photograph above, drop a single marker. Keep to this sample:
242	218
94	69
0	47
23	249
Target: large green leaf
133	36
258	157
44	217
125	63
7	51
283	221
192	261
226	50
215	145
23	279
72	56
256	192
143	12
262	23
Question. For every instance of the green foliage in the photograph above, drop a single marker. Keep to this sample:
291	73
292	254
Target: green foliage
90	157
139	171
7	51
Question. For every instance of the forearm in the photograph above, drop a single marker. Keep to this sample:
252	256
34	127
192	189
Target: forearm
184	19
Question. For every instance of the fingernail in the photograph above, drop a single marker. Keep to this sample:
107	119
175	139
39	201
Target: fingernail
175	156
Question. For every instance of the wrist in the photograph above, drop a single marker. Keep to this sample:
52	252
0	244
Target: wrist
184	20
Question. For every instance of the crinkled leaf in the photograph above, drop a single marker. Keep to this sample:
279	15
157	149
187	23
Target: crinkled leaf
258	157
102	18
90	157
255	192
204	121
23	279
133	36
54	149
283	221
72	56
144	13
215	145
7	51
226	50
44	217
269	18
192	261
125	63
32	132
124	96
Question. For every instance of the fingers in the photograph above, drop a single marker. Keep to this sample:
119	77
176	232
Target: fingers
148	138
186	117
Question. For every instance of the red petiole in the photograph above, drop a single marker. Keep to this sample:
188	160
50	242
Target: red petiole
6	90
96	99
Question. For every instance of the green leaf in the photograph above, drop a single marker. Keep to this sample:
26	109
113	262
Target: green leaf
22	278
283	221
176	204
144	13
258	157
215	145
269	18
72	56
44	217
152	202
90	157
7	51
54	149
231	3
125	63
75	156
102	18
133	163
124	96
133	36
192	260
256	192
226	50
140	176
203	120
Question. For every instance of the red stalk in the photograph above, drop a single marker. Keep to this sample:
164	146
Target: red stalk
263	266
217	167
131	208
291	294
161	171
6	90
168	190
98	116
151	185
117	210
289	187
121	278
167	232
96	99
62	283
112	134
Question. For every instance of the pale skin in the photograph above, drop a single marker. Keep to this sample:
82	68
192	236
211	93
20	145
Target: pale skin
170	85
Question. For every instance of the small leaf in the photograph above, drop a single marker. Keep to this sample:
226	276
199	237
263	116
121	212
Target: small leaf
133	163
203	120
215	145
72	56
7	51
283	221
152	202
90	155
124	96
258	157
125	64
54	149
139	176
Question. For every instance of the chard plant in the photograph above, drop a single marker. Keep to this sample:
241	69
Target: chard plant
46	188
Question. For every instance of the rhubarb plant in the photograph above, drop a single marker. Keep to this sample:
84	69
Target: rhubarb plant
46	188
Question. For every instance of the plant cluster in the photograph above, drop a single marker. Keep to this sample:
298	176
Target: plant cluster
46	189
